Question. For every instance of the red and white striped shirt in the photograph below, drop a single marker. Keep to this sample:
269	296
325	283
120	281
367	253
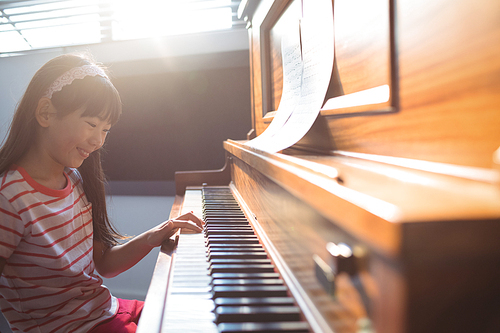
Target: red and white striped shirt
48	283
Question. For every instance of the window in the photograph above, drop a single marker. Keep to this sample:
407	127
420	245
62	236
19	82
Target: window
28	25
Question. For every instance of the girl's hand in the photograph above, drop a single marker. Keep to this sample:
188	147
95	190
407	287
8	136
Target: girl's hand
160	233
191	217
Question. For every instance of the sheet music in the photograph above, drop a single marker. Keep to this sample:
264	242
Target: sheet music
317	37
292	78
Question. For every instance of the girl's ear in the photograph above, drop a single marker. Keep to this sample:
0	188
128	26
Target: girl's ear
44	111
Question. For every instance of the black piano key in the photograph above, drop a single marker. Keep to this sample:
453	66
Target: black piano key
224	214
228	226
254	301
218	226
216	249
229	211
220	268
228	314
221	221
233	241
231	236
220	201
247	232
212	219
237	255
288	327
247	282
221	225
219	194
262	275
249	291
221	250
225	218
239	261
230	232
221	246
221	206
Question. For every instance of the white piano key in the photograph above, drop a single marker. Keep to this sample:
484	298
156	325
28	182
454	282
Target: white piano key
189	302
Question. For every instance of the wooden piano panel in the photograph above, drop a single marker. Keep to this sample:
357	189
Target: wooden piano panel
297	232
364	59
448	75
449	70
362	44
440	243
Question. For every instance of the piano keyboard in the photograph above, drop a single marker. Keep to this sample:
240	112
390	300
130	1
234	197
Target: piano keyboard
223	279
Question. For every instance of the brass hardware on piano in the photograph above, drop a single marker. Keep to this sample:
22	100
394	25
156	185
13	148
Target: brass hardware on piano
407	239
343	260
350	262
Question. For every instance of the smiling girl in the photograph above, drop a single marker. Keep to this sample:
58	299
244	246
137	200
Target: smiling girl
54	228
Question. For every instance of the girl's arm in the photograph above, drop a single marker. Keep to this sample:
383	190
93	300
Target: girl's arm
111	261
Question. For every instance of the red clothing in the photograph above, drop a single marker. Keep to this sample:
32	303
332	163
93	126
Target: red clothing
125	320
48	283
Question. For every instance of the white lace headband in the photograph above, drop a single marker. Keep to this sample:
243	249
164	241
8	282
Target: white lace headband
73	74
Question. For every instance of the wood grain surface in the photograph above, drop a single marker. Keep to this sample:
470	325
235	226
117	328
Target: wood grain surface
448	75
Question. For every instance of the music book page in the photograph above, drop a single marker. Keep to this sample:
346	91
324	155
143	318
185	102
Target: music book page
291	55
316	30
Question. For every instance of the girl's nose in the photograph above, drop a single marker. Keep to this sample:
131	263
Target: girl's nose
97	139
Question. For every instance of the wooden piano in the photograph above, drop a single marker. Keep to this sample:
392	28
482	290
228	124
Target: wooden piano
384	218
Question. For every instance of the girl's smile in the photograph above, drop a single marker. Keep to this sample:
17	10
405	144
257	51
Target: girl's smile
67	141
83	152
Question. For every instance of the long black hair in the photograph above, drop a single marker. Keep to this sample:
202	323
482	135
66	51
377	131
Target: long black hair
99	98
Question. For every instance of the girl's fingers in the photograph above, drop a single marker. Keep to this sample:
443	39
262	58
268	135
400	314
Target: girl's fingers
168	228
186	224
191	217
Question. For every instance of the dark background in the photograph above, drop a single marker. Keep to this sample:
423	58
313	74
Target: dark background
176	114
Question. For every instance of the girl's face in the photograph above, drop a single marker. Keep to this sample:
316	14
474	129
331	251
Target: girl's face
71	139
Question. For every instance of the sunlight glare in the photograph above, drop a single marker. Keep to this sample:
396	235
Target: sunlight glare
159	18
70	22
380	94
12	41
84	33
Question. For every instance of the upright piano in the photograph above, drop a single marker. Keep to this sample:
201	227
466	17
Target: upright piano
384	217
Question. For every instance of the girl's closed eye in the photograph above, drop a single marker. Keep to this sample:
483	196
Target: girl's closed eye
94	125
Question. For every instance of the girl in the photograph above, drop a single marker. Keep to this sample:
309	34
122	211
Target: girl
54	228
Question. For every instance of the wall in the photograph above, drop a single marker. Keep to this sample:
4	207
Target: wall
177	117
132	215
